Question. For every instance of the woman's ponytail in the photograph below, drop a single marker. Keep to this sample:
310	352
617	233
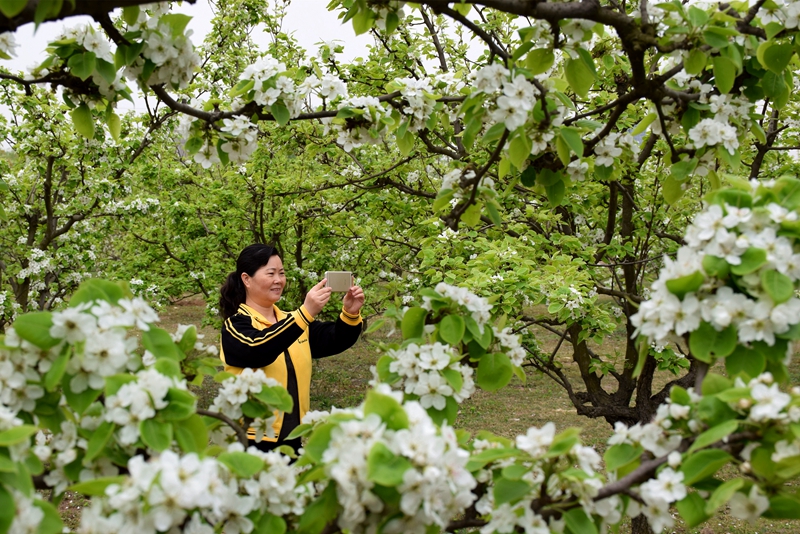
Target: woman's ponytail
231	295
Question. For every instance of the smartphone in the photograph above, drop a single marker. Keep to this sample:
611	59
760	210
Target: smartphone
339	281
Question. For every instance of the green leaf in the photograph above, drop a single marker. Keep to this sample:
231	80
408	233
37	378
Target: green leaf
722	495
318	441
453	378
176	21
96	487
494	371
114	125
320	512
724	74
451	329
716	267
100	437
713	435
482	337
540	60
413	323
82	64
579	76
510	491
155	434
745	361
241	463
546	177
672	190
12	8
159	342
244	86
578	522
690	283
620	455
384	374
773	84
519	149
51	522
697	16
7	507
683	169
528	177
718	37
752	260
644	123
270	524
83	121
34	327
16	435
706	343
405	143
182	404
703	465
778	286
363	21
97	289
280	112
384	467
191	434
106	70
555	193
692	509
130	15
389	410
783	507
443	199
188	339
494	133
572	138
78	401
277	397
777	56
481	459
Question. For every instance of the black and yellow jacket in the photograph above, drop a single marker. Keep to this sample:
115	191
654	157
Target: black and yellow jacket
284	351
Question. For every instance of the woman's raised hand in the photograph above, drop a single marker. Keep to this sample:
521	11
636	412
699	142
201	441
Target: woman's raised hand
353	300
317	297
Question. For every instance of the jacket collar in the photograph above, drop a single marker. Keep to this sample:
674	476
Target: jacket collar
244	309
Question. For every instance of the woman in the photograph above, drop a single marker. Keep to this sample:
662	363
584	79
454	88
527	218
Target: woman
257	334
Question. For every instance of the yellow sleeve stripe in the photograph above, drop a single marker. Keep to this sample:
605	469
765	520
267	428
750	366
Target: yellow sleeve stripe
350	319
303	316
254	342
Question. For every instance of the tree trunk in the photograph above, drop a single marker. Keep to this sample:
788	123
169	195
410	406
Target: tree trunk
639	525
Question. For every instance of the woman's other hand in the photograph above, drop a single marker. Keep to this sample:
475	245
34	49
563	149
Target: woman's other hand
317	297
353	300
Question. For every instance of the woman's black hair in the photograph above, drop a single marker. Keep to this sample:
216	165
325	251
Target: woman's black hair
232	293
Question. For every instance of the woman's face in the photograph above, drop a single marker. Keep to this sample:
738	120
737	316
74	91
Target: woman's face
267	283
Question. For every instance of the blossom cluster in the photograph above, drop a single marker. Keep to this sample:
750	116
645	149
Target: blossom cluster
196	493
435	486
725	232
364	124
171	51
478	307
517	99
236	390
611	147
419	104
422	371
139	400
